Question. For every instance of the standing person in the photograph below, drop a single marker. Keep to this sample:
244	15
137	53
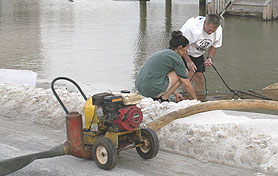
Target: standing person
164	72
204	34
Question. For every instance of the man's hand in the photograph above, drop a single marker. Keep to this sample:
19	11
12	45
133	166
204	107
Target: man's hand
208	62
192	67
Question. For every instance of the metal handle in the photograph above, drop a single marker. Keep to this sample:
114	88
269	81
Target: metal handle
58	98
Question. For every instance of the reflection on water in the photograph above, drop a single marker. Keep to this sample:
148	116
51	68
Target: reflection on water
102	44
20	45
140	51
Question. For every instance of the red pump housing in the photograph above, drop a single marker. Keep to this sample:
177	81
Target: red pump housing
130	118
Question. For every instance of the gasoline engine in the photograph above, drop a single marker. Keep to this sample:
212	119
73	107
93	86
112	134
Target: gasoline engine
114	112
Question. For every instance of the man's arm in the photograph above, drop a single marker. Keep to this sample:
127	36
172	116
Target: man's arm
211	53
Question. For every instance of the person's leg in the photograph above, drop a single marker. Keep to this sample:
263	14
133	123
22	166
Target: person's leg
171	90
174	84
198	82
189	75
186	86
197	78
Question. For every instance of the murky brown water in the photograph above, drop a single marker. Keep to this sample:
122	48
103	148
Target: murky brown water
103	43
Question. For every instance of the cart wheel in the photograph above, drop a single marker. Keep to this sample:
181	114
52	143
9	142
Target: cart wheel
104	153
149	143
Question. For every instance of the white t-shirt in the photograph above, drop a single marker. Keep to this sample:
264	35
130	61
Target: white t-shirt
199	40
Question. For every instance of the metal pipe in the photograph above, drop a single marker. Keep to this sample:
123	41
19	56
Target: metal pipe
75	136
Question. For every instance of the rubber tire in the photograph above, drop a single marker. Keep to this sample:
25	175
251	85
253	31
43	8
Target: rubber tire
111	153
149	135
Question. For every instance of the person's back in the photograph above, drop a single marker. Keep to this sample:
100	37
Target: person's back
153	79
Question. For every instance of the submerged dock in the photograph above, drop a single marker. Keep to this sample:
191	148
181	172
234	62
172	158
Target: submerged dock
265	9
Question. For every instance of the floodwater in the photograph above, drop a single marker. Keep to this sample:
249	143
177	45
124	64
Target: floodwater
102	44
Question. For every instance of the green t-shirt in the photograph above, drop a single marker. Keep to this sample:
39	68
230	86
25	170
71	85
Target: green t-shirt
153	77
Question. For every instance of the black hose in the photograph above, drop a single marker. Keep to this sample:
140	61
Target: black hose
231	90
257	96
205	84
238	91
58	98
8	166
267	98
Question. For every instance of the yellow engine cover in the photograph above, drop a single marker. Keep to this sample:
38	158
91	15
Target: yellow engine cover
91	118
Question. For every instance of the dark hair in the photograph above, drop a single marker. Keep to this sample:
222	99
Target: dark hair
177	40
213	19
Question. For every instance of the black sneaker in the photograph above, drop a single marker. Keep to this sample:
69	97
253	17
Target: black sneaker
160	99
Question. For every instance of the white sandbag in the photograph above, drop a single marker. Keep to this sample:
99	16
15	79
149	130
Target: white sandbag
18	77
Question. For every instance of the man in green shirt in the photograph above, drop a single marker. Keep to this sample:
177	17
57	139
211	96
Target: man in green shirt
165	71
